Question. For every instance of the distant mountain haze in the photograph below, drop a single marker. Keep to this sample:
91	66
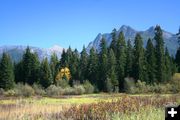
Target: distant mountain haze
16	52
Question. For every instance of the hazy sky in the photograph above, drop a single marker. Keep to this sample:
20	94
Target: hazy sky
43	23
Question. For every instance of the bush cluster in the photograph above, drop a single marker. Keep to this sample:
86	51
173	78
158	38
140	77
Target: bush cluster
142	87
53	90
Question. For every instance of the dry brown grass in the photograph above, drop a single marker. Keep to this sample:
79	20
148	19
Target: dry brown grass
22	109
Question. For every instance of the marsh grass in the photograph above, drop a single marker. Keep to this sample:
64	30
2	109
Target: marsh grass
102	106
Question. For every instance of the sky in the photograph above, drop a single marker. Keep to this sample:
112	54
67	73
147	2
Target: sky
44	23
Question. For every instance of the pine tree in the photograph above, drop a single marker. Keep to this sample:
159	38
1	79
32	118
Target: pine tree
75	65
30	67
93	66
112	73
46	78
121	59
177	59
151	62
129	60
114	40
83	64
18	72
160	54
35	67
103	66
54	66
168	68
63	60
6	72
138	58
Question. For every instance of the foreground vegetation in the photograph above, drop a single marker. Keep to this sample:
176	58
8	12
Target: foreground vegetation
88	107
105	69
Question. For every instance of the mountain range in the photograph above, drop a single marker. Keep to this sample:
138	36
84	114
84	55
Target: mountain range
170	40
16	52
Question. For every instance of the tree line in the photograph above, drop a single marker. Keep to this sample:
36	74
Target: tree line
105	69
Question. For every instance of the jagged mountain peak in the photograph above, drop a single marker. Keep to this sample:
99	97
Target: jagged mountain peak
126	28
171	41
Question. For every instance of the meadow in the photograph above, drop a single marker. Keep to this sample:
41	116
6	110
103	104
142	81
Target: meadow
88	107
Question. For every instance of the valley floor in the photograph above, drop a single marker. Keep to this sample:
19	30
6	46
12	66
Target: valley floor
133	107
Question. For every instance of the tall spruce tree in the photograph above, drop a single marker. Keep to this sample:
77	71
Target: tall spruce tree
168	67
54	66
63	60
160	54
151	62
83	65
30	67
93	66
69	56
138	58
6	72
46	78
75	65
112	73
114	40
103	66
177	59
121	59
18	70
129	60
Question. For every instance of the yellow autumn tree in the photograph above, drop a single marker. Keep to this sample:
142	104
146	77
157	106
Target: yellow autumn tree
63	73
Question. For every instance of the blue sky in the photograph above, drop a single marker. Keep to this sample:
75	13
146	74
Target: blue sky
43	23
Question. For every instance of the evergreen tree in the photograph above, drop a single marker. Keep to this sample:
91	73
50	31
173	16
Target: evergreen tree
30	67
46	78
35	67
103	66
151	62
160	54
18	72
75	65
63	60
54	66
83	64
6	72
93	66
112	73
114	40
138	58
129	59
168	68
121	59
177	59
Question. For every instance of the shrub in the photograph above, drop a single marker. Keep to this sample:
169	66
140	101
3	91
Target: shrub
69	91
53	90
24	90
38	89
79	90
141	87
1	91
176	83
63	83
10	93
89	88
129	85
